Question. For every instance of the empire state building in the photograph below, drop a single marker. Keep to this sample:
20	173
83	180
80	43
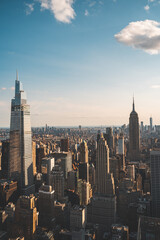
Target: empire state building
134	139
20	155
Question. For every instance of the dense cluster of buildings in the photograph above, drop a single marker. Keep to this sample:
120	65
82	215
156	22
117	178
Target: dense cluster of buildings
78	183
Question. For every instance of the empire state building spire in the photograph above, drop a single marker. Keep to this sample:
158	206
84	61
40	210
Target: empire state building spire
133	104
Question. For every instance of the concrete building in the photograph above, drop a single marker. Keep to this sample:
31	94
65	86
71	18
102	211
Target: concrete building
46	205
26	217
77	218
64	160
83	152
47	165
57	182
65	145
8	192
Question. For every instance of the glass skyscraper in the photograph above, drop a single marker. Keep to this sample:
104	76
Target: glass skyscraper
20	157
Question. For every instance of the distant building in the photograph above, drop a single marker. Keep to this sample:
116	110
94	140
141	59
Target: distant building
65	145
134	138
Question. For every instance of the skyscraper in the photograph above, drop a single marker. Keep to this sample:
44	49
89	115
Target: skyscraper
102	165
155	182
20	156
134	140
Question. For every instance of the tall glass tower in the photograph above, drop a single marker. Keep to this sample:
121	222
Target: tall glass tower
20	156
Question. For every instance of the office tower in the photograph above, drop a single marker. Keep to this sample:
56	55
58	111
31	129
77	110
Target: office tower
64	160
102	165
84	171
5	157
20	156
110	139
26	216
46	205
34	157
40	153
98	135
47	165
134	140
121	144
65	145
72	180
77	218
155	182
92	175
151	124
102	208
83	190
83	152
8	192
142	127
131	172
57	182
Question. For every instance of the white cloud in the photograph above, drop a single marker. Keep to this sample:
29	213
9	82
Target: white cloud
92	3
12	88
147	7
62	9
86	13
3	88
155	86
151	0
143	35
29	8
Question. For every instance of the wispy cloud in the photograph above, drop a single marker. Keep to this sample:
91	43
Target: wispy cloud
3	88
155	86
86	13
62	9
143	35
29	8
147	7
92	3
12	88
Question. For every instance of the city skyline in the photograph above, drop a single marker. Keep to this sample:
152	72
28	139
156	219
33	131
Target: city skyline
78	68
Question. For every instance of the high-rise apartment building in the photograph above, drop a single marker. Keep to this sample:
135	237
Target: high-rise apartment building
20	156
134	139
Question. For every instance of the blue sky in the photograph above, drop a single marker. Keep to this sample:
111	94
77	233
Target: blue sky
80	61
